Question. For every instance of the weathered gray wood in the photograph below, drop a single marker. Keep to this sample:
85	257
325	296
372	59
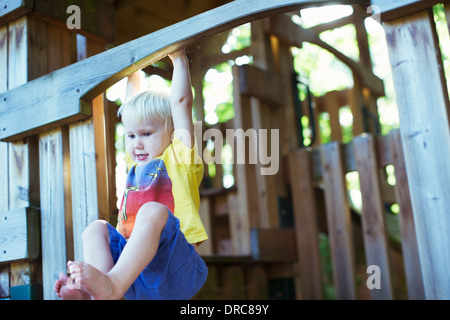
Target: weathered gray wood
338	221
422	100
54	99
84	182
4	190
52	209
413	269
19	234
393	9
373	215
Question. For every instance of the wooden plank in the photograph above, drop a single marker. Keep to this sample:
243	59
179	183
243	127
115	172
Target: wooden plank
373	215
410	250
84	182
256	282
101	160
4	59
338	221
247	215
54	258
55	198
84	160
270	188
25	53
306	229
4	171
19	234
90	77
233	283
4	281
237	234
273	245
394	9
333	106
426	141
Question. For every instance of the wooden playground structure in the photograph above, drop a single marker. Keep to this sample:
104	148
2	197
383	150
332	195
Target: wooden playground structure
57	149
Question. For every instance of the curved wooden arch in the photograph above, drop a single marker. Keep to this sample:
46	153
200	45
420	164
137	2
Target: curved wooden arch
64	96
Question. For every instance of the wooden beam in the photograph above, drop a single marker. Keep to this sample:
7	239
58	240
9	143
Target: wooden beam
54	99
394	9
424	117
19	234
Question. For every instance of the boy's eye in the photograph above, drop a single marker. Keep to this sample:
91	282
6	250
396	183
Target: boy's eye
146	134
131	136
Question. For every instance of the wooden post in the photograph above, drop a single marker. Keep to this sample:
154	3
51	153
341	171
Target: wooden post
247	216
54	259
263	117
410	251
339	221
22	58
373	216
422	101
306	229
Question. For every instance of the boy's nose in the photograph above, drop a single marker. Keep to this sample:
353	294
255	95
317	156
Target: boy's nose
138	143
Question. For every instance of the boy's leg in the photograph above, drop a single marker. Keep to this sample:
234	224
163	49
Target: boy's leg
137	254
96	252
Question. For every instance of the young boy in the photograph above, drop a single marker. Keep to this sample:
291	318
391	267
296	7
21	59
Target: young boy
153	252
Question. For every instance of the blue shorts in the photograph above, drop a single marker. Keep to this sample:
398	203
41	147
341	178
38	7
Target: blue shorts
177	272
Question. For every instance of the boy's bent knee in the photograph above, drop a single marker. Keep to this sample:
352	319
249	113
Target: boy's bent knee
96	228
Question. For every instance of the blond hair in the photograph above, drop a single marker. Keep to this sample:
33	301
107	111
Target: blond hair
152	104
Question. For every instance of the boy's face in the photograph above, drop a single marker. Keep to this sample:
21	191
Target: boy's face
147	141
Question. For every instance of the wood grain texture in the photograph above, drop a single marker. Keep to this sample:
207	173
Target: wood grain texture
19	234
424	117
373	215
339	222
51	173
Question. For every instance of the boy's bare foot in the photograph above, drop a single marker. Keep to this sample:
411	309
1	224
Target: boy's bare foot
66	289
98	284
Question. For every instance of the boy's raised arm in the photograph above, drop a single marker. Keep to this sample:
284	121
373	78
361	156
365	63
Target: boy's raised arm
181	99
